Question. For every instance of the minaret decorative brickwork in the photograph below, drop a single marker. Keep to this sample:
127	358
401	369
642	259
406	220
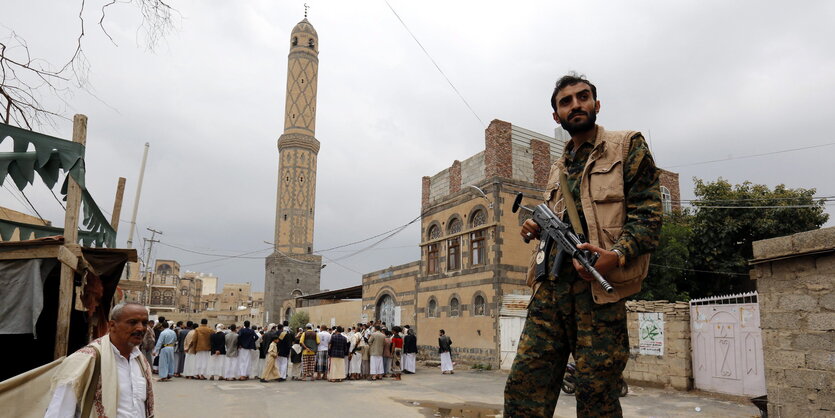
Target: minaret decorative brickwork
292	269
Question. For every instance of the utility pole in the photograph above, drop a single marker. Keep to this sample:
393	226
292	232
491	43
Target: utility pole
148	275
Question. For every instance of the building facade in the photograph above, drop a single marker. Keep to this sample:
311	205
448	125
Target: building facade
293	270
470	280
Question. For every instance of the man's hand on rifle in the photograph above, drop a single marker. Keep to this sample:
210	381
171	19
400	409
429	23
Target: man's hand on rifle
607	261
530	230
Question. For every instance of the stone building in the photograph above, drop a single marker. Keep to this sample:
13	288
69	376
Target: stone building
796	283
164	287
293	270
172	293
470	280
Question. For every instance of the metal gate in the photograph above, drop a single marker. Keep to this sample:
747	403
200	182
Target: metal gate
512	316
727	345
385	310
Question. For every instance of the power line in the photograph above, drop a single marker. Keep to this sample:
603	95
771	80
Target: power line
762	207
370	238
58	200
825	198
730	273
33	206
753	155
435	63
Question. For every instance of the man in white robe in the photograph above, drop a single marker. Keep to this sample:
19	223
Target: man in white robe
108	377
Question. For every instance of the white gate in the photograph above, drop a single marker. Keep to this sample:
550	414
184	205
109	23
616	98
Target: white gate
512	316
727	345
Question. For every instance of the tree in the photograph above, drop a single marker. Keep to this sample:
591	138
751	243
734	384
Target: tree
668	271
26	79
728	219
299	319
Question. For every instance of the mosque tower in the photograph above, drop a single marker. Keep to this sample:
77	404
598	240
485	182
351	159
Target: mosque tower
293	269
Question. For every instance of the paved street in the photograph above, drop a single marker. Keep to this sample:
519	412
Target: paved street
425	394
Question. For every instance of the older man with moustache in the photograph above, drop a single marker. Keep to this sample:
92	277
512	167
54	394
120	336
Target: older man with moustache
109	376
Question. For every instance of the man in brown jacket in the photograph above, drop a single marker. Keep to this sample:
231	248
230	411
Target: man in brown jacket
376	346
203	341
611	179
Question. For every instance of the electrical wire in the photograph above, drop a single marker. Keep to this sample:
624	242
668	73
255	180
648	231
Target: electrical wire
753	155
58	200
33	207
435	64
730	273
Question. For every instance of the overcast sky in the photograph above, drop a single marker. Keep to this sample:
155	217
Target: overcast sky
704	80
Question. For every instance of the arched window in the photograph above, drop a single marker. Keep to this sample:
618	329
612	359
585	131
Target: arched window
477	251
385	310
432	308
666	200
454	307
453	256
478	218
297	293
155	297
432	250
478	305
295	41
168	297
164	269
287	314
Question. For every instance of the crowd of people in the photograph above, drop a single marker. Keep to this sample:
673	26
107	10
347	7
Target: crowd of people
278	353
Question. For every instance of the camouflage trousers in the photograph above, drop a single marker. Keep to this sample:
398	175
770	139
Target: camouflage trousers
563	319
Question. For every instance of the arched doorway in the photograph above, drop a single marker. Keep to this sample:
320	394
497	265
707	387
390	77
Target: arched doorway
385	310
288	313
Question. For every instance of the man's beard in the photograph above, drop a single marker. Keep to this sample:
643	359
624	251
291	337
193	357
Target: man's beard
580	127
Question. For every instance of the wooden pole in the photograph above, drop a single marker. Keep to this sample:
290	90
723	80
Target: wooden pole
117	204
65	292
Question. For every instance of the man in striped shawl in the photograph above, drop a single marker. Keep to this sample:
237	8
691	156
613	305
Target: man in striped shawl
108	377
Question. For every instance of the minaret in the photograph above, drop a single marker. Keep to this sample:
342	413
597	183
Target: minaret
292	269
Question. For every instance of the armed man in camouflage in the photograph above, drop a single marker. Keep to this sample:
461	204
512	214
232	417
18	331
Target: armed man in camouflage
614	182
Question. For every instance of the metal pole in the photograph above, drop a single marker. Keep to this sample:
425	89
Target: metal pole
138	193
149	276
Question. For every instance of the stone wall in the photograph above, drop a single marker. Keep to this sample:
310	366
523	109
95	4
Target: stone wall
673	369
795	279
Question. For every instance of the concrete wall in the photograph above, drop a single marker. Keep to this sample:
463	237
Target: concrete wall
796	283
345	313
674	368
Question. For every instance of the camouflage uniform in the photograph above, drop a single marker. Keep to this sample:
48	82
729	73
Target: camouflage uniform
563	317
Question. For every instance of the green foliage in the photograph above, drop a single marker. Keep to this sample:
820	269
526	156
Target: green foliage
706	252
668	275
299	319
721	242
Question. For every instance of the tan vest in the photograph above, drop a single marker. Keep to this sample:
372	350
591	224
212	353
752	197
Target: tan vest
604	206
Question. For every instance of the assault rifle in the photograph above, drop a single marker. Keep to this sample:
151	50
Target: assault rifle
553	231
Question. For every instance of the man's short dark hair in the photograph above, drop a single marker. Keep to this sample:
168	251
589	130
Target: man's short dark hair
188	324
246	324
164	324
443	332
233	327
285	323
204	321
179	323
571	79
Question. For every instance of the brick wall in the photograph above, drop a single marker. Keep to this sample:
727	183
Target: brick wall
497	150
541	161
424	192
455	177
669	180
673	369
795	279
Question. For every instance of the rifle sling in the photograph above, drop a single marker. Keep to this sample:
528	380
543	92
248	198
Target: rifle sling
573	216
